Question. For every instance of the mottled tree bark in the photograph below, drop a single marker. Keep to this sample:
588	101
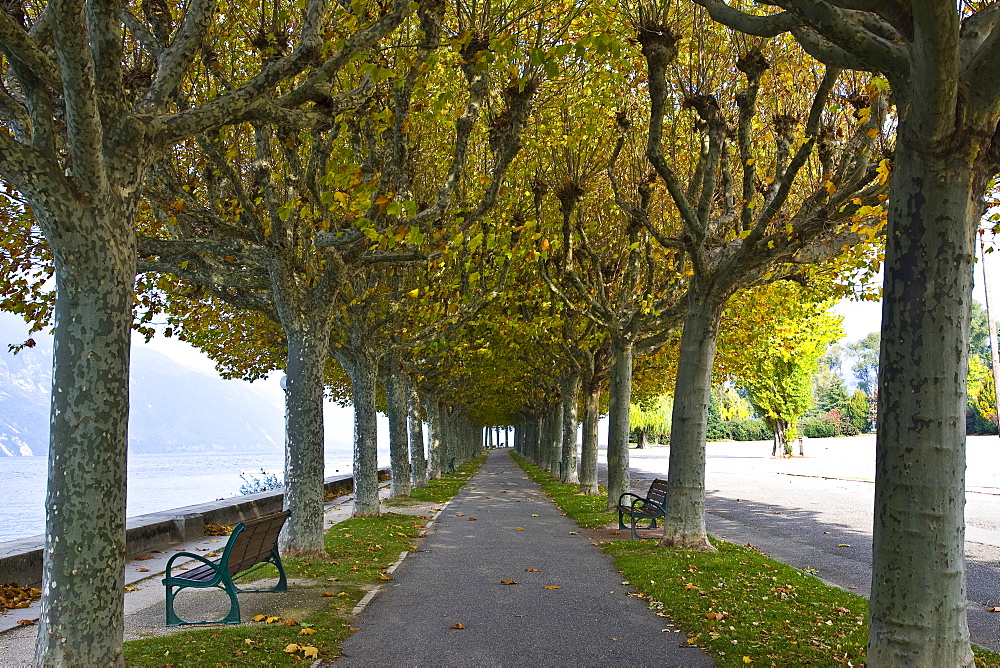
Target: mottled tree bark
588	451
434	439
304	438
363	371
684	524
555	439
620	395
84	557
571	402
918	567
418	456
399	446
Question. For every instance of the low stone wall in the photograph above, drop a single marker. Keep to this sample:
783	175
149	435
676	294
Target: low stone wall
21	560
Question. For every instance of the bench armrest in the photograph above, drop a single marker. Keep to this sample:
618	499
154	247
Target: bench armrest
192	555
634	496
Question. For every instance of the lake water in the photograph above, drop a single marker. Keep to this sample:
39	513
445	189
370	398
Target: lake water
155	483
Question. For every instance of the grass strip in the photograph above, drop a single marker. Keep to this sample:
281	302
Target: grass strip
359	551
740	606
589	511
443	488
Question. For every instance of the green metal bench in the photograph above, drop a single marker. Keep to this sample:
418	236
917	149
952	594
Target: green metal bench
650	507
252	545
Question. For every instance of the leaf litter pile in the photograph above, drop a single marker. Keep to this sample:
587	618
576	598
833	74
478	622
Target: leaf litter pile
13	597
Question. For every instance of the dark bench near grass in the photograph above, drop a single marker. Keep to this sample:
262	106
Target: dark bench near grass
252	544
650	507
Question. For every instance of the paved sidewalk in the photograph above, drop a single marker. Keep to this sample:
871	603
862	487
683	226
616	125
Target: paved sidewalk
585	618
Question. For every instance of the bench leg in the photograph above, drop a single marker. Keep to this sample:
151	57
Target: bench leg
232	618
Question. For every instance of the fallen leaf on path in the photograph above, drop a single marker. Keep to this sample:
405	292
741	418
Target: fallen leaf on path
131	588
530	570
272	620
472	519
142	570
550	587
843	545
534	515
145	558
459	514
573	533
458	625
993	610
260	618
508	582
520	529
353	628
27	622
326	593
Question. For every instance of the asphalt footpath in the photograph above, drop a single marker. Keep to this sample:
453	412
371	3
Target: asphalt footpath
505	579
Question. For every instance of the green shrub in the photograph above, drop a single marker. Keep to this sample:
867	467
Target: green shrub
752	429
817	427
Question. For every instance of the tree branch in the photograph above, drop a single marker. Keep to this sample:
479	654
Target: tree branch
175	61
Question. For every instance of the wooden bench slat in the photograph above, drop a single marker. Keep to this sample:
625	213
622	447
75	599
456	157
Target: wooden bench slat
653	507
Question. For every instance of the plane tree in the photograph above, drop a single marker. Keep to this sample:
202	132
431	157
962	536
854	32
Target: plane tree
93	94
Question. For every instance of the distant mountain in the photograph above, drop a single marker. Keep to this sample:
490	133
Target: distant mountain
174	408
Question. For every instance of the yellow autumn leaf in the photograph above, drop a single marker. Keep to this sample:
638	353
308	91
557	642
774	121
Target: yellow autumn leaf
341	197
521	529
747	659
382	202
292	648
545	245
259	618
830	188
750	161
458	625
550	587
310	652
508	582
307	632
272	620
872	133
883	171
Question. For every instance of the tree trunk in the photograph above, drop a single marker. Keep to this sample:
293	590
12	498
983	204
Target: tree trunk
417	456
588	451
571	402
555	439
305	367
643	441
363	373
434	439
685	519
81	621
621	393
399	446
918	598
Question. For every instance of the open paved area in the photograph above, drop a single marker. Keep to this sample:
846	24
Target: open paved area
567	608
815	512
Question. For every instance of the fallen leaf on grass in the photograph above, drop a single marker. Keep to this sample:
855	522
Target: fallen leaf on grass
307	632
260	618
747	659
530	570
714	615
550	587
326	593
272	620
131	588
290	622
458	625
385	577
508	582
